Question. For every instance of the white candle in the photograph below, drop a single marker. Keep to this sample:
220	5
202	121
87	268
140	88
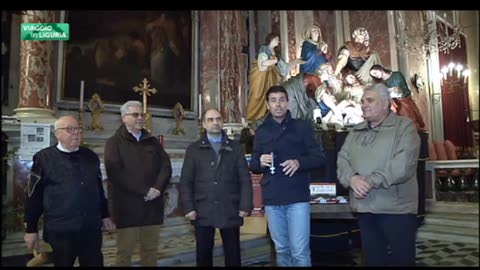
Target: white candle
200	106
451	66
81	95
26	68
445	71
459	68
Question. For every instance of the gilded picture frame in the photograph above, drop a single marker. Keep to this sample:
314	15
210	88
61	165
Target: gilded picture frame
113	51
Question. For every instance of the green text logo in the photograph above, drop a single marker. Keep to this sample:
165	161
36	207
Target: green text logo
45	31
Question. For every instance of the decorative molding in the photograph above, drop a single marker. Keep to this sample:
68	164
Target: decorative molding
391	38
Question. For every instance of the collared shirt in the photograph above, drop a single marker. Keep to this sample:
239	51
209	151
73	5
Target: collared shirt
136	135
214	139
63	149
216	142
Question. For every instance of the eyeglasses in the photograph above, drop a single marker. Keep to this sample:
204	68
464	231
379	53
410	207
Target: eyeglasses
72	129
136	114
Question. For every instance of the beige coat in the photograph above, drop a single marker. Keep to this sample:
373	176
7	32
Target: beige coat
388	156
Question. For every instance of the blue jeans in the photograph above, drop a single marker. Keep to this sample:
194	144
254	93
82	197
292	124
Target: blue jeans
289	227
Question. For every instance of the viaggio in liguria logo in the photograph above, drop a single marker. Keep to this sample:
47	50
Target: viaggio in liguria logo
45	31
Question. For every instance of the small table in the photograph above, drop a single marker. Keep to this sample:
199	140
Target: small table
331	211
340	212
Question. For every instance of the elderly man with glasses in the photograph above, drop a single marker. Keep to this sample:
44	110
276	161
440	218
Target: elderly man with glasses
139	170
65	185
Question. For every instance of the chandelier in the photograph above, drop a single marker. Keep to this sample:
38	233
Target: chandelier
457	72
427	39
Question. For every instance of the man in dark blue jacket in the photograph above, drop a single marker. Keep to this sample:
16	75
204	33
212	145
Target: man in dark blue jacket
284	151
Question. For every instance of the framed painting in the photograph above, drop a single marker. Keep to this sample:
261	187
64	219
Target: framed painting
113	51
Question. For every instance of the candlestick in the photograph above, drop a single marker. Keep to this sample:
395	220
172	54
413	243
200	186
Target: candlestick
81	95
144	102
200	106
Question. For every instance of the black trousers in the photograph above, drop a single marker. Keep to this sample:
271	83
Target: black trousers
387	239
86	245
205	242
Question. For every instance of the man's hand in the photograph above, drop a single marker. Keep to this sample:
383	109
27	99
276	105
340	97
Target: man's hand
266	160
108	224
152	194
31	239
290	166
242	213
192	215
360	186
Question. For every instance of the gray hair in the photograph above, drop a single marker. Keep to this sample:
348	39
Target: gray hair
128	104
381	89
56	124
60	119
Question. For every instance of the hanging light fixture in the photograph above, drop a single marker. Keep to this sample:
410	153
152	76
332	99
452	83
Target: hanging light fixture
425	40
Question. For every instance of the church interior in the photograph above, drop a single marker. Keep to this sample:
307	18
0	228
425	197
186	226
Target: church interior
181	63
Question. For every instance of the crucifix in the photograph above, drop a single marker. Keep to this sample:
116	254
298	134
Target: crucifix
144	90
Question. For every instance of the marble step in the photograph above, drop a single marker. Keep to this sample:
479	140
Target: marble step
448	233
452	219
452	207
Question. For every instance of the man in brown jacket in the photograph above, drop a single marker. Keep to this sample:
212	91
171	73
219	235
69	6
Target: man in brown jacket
216	190
139	170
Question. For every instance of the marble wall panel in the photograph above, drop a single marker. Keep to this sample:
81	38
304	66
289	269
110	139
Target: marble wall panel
209	58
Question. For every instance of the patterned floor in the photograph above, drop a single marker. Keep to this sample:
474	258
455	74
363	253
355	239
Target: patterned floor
438	253
429	253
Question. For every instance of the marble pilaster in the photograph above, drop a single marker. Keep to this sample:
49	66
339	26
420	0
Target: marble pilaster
37	72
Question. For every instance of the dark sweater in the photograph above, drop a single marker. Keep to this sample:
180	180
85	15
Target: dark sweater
290	139
67	188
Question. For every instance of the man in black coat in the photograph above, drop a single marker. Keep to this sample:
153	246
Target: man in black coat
139	171
216	190
66	186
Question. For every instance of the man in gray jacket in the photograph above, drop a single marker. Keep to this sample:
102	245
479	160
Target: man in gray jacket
378	162
216	190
